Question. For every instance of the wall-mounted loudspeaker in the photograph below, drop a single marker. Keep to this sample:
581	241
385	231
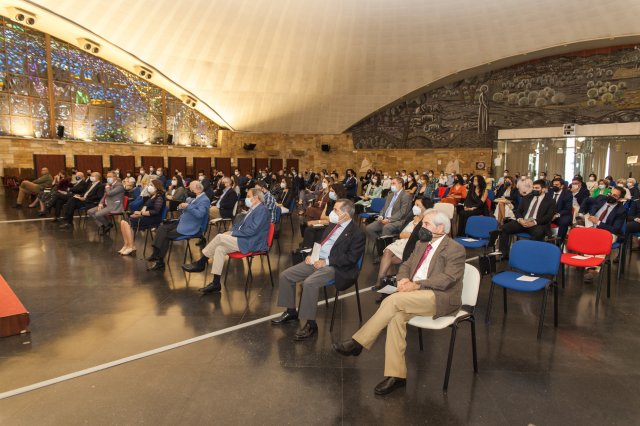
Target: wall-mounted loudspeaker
189	101
143	72
169	139
326	148
60	131
249	146
22	16
569	129
89	45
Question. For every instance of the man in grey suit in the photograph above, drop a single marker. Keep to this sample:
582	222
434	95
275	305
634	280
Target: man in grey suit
395	212
112	202
429	284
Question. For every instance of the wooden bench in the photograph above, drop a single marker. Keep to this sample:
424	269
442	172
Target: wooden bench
14	318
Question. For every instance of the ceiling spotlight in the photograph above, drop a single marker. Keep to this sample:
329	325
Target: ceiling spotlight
22	16
189	101
143	72
89	45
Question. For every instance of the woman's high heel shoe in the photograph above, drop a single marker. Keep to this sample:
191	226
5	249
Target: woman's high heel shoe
121	251
129	252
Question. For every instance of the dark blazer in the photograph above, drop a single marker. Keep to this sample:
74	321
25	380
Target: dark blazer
444	277
297	184
79	188
95	195
345	253
227	202
546	210
634	211
351	186
582	194
564	203
616	217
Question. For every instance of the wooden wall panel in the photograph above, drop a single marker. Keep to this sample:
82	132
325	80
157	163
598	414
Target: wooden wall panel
177	163
262	163
154	162
126	163
202	163
53	162
293	162
89	162
245	165
276	164
224	164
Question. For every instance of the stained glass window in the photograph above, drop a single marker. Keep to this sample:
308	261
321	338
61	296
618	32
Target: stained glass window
93	99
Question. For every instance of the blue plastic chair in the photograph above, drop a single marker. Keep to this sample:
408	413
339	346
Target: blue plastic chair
374	209
533	259
335	301
200	234
491	195
478	228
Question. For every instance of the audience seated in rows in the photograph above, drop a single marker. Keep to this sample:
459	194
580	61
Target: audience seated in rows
112	202
223	207
149	216
28	188
47	197
396	210
86	201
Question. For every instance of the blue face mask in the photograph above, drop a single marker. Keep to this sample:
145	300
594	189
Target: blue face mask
394	189
247	202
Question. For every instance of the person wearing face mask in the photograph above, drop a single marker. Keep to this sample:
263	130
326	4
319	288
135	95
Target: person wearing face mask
457	193
268	199
411	185
297	183
429	283
80	186
341	247
543	176
193	211
632	188
372	190
284	196
149	216
143	179
475	204
351	184
206	184
504	175
312	230
161	176
429	185
564	203
224	206
47	197
592	183
249	235
89	199
111	203
579	190
176	194
314	211
601	189
396	210
506	200
129	182
533	216
386	184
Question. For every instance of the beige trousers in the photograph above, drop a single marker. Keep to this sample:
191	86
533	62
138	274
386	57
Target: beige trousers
27	188
394	313
218	249
214	212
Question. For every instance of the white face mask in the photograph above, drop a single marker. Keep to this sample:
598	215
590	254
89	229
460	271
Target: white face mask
92	178
151	189
601	186
283	185
201	177
333	217
630	184
128	174
325	185
174	182
109	180
416	210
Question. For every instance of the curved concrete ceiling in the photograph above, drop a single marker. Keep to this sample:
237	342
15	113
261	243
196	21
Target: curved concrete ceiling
307	66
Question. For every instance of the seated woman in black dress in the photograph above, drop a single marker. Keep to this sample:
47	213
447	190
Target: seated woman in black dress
284	195
475	204
176	193
149	216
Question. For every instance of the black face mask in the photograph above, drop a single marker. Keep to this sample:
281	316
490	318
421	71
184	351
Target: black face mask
555	188
611	200
507	184
425	235
535	192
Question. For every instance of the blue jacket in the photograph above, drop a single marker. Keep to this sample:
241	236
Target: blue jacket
253	231
193	216
565	202
616	217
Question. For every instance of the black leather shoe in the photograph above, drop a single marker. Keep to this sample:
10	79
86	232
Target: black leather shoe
193	267
389	384
211	288
201	242
348	348
305	332
158	265
285	317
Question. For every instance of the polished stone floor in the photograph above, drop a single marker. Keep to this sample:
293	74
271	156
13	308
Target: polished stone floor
89	306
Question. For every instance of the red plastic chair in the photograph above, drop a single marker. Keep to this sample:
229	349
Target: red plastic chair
589	242
249	256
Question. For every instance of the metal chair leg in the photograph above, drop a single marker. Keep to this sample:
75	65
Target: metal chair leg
504	299
489	303
474	350
326	299
269	265
358	300
227	272
420	339
333	314
452	343
555	303
170	250
543	310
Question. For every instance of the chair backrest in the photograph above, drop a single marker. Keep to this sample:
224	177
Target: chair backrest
491	195
204	225
135	192
480	226
535	257
125	202
446	208
488	204
235	209
441	191
589	241
272	230
446	191
470	285
376	205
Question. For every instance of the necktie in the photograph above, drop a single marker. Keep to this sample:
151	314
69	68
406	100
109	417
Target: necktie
422	259
533	208
604	214
329	236
555	197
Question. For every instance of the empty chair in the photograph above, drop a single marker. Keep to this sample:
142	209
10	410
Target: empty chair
478	231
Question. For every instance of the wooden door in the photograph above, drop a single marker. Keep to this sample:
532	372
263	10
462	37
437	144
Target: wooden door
126	163
54	163
245	165
88	162
177	163
202	163
154	162
276	164
262	163
224	165
292	162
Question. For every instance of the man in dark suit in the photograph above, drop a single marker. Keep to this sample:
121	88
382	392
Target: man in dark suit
351	184
533	216
395	212
223	208
90	198
297	183
429	284
206	184
341	247
564	202
250	235
80	186
579	189
633	220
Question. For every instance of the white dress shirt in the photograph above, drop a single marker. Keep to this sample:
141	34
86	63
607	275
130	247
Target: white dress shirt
423	270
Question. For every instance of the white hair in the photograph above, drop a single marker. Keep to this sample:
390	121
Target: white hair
439	218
